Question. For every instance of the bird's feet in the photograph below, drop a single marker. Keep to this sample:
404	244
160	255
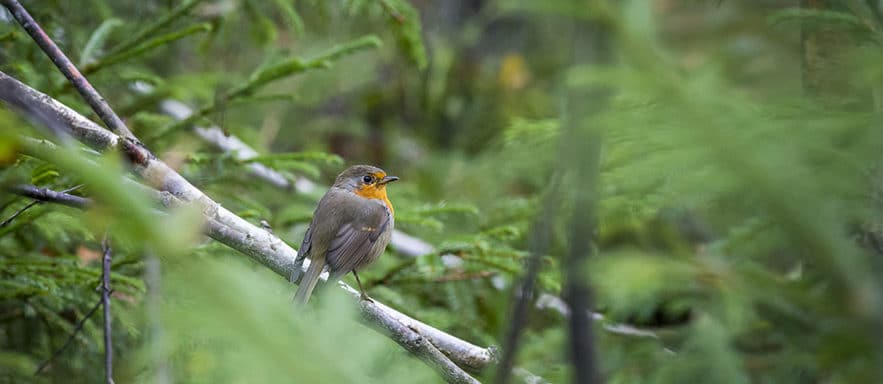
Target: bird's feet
365	297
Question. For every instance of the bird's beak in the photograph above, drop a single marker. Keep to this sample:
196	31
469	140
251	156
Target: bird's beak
387	179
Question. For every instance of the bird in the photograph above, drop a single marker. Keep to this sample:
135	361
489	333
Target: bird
351	227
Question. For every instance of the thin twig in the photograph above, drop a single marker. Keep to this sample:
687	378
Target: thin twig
105	300
406	333
41	195
225	227
392	272
18	213
98	104
45	194
69	339
222	225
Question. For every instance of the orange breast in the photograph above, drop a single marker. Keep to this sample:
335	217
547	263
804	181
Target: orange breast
376	192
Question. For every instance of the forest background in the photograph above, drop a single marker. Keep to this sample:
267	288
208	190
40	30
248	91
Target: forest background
696	183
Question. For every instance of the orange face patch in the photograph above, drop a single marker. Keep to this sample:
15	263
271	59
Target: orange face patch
376	191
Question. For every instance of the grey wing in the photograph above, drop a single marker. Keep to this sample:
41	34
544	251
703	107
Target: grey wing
354	246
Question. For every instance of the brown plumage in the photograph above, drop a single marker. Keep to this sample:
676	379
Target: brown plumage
350	229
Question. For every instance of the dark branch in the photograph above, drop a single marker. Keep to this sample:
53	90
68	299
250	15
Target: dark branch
409	334
98	104
223	224
105	300
38	199
48	195
18	213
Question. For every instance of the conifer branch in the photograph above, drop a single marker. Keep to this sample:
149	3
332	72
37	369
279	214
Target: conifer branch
222	225
70	338
226	227
265	75
146	47
98	104
139	37
402	242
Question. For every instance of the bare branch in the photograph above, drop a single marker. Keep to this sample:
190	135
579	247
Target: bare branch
38	200
225	227
415	343
45	194
222	225
18	213
403	243
98	104
105	302
231	144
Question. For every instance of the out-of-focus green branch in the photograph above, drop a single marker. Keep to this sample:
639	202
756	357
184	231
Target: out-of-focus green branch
266	75
151	29
146	47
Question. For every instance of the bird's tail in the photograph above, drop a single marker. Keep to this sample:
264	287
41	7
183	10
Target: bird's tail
297	271
308	282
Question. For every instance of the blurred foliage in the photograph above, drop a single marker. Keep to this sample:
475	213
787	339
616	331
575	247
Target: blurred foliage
738	219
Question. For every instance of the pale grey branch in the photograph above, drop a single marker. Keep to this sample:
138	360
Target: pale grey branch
223	225
403	243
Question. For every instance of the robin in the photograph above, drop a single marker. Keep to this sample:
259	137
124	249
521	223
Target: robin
350	229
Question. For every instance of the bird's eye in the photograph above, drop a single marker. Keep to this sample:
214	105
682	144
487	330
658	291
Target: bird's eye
368	179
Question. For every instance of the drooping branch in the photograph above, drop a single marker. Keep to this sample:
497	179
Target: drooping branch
222	225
